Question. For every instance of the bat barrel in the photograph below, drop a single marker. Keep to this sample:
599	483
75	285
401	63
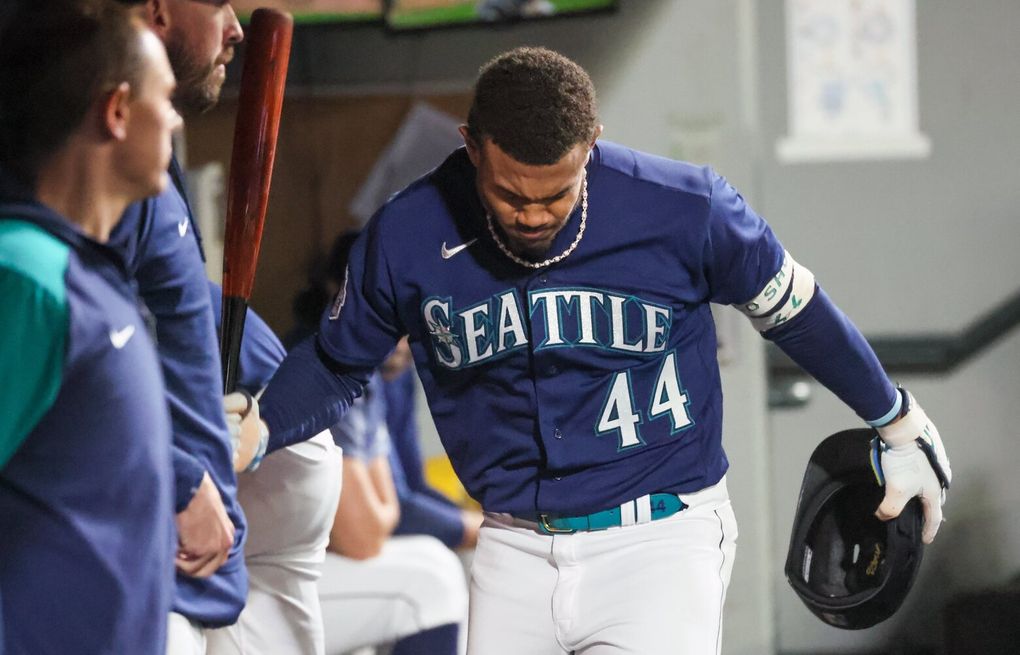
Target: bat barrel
255	133
251	167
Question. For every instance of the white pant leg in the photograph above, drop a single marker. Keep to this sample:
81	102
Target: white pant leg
657	587
290	502
651	588
414	584
183	637
512	583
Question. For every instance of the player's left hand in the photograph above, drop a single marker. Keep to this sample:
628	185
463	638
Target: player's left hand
249	435
205	532
914	463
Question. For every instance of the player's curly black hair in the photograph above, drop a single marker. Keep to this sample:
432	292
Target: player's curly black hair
535	104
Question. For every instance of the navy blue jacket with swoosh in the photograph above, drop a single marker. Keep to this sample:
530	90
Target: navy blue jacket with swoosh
162	246
86	516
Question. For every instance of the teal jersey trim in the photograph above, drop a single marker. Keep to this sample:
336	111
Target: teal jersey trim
34	325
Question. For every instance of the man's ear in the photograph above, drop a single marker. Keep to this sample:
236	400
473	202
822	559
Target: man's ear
115	112
473	147
598	133
158	17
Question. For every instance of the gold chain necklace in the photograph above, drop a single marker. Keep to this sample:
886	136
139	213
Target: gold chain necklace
551	260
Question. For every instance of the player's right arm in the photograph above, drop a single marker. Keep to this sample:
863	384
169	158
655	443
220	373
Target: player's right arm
322	375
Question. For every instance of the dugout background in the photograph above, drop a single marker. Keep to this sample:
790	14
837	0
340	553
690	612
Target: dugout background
906	247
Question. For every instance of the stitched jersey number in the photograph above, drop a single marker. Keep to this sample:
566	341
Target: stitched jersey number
619	414
668	398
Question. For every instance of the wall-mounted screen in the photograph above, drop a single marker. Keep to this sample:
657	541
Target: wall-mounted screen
421	14
317	11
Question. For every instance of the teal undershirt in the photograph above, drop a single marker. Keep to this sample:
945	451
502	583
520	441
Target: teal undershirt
33	328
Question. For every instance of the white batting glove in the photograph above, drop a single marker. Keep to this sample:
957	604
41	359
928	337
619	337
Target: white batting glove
914	463
249	436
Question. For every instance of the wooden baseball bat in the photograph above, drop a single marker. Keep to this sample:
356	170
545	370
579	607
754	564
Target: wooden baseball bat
251	169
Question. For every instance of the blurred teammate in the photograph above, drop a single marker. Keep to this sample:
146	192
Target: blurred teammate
162	244
377	588
86	556
162	248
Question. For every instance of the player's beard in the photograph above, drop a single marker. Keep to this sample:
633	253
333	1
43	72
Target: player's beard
532	250
198	85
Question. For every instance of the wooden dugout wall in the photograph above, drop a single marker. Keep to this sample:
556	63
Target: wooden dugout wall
326	148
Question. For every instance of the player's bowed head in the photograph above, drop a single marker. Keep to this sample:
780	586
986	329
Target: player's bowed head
531	126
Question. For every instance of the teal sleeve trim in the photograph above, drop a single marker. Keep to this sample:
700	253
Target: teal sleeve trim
890	415
33	329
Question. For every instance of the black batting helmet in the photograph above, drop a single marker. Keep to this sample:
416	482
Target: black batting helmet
851	569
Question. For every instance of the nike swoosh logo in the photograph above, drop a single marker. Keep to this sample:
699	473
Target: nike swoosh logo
182	226
450	252
119	338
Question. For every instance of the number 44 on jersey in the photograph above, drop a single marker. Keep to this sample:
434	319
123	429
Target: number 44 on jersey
622	414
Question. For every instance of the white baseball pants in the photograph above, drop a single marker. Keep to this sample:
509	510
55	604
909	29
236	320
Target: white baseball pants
414	584
290	502
184	637
655	587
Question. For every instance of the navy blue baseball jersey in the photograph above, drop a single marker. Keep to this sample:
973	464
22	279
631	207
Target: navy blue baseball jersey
590	381
86	516
162	246
423	510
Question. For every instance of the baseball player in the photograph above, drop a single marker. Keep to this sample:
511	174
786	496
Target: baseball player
161	243
555	289
85	475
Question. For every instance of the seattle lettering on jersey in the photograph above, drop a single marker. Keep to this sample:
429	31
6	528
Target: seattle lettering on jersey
562	317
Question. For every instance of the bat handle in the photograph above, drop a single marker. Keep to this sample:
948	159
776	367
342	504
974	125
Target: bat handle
235	308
